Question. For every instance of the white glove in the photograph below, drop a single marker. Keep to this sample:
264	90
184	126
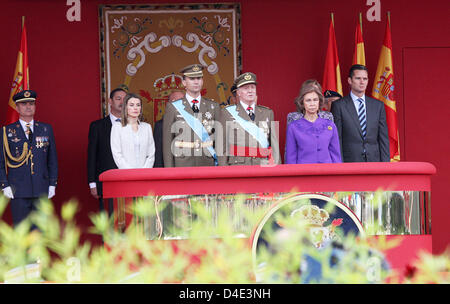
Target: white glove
51	191
7	191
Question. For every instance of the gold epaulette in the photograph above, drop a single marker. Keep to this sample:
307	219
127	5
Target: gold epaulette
22	159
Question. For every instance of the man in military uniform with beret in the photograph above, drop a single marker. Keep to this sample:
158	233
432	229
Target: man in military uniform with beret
251	136
189	125
28	160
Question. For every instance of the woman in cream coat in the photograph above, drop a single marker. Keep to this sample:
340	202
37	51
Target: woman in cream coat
132	143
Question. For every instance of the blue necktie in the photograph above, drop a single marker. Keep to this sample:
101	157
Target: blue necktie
362	116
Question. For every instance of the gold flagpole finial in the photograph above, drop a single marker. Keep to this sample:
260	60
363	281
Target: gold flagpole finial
360	21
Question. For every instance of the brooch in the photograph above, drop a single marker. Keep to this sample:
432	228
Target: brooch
330	128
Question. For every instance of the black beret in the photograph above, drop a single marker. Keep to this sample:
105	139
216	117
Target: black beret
329	93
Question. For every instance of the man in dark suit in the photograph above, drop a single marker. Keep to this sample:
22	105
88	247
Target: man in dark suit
157	133
28	160
361	122
100	157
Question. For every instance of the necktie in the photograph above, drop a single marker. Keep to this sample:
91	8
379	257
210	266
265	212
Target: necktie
250	113
118	120
362	117
29	132
194	106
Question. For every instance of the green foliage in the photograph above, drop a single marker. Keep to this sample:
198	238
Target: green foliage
211	252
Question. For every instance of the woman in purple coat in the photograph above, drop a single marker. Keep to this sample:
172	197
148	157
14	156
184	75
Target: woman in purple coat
311	139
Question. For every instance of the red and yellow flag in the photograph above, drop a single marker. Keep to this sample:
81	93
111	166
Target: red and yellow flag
359	56
383	89
20	80
332	72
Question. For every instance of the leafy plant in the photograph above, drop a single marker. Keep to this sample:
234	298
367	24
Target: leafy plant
211	253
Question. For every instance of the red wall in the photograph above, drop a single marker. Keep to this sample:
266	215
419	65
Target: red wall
284	43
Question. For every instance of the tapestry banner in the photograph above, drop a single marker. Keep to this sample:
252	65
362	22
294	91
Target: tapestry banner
143	48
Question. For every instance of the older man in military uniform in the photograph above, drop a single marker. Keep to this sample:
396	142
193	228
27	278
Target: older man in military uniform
251	136
189	125
28	161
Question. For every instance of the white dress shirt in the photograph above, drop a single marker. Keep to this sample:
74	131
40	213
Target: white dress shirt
132	149
190	99
245	106
113	118
356	102
24	126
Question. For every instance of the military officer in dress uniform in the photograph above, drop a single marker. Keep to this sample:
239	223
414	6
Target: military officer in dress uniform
251	136
189	125
28	161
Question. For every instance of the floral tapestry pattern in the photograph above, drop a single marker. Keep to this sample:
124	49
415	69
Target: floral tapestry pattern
143	48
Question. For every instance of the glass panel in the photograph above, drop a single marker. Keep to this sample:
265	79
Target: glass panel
381	213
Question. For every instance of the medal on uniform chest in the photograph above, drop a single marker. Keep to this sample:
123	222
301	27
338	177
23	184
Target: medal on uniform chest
208	115
39	142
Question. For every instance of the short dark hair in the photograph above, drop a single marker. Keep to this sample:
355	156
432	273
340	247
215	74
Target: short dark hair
355	67
113	92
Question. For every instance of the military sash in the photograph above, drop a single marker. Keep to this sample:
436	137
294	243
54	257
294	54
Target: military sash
196	126
249	127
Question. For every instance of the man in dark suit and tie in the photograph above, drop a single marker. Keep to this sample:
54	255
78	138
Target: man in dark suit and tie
361	122
157	133
28	160
100	157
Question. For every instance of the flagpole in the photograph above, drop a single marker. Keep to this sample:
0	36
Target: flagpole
26	80
360	22
389	19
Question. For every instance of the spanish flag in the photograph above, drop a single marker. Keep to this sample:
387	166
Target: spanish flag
332	72
359	56
383	89
20	80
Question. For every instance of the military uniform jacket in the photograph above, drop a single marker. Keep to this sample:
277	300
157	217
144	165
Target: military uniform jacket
181	146
33	178
235	135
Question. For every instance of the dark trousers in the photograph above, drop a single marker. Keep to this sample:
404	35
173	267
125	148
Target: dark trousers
22	207
110	203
